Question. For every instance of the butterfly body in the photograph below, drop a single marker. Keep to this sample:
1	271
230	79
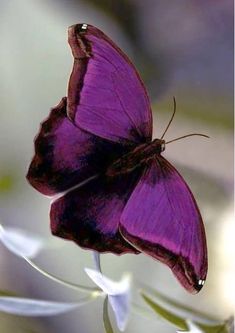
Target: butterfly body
117	193
139	156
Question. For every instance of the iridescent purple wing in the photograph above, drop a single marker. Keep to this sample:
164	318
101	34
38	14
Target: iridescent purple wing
162	219
106	96
89	215
66	155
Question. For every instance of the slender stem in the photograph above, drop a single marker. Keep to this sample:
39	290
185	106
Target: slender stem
93	291
185	136
96	258
172	117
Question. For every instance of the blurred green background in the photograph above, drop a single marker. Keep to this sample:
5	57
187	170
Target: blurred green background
182	48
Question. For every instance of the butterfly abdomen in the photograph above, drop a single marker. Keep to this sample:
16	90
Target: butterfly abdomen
135	158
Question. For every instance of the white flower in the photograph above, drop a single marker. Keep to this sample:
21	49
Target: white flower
33	307
118	294
20	242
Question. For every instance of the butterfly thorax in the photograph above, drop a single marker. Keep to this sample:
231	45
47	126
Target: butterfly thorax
138	156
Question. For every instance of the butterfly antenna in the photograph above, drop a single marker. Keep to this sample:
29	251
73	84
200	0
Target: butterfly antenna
172	117
186	136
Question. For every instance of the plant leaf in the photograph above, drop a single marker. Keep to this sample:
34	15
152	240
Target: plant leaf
174	319
6	182
178	305
180	322
201	328
7	293
106	320
192	328
20	242
220	328
33	307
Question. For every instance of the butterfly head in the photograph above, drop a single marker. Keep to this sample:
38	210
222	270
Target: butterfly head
158	145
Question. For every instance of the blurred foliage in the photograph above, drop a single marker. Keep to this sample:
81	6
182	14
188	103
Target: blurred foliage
17	324
201	107
176	304
122	11
179	321
165	314
106	320
6	182
7	293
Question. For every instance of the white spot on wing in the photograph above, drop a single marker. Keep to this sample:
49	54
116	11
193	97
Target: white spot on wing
201	282
84	26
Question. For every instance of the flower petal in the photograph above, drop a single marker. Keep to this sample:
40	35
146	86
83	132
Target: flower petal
33	307
118	294
121	308
108	286
21	243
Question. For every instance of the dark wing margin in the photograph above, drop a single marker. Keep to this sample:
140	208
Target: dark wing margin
161	219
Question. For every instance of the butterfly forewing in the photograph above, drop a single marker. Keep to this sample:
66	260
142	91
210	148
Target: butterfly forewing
162	219
106	95
66	155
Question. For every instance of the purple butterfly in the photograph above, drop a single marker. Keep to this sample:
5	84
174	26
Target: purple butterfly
115	191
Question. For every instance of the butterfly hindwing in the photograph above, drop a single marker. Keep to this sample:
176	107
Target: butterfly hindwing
106	96
89	215
161	219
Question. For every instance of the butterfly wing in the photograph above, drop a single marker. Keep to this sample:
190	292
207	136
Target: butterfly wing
106	96
66	155
108	115
89	215
162	219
